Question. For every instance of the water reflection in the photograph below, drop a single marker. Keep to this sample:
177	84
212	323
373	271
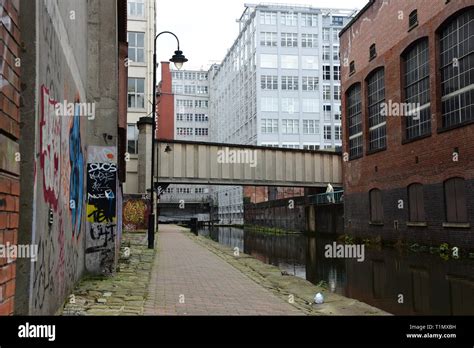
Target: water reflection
400	282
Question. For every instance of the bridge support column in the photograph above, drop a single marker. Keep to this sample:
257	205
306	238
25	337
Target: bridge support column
311	218
144	153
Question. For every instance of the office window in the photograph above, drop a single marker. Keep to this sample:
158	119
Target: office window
183	131
413	19
202	90
326	92
376	207
177	89
169	190
327	132
136	8
290	126
337	92
416	205
326	72
310	83
269	82
337	132
352	68
312	147
189	117
290	105
354	121
177	75
289	40
199	190
184	103
327	112
268	18
268	39
289	62
201	131
190	89
309	20
335	52
335	35
201	118
289	19
179	117
136	93
183	190
326	52
289	83
457	69
310	105
455	200
269	125
337	72
372	52
309	62
417	89
326	34
204	104
268	61
136	46
309	40
202	76
269	104
310	127
132	139
189	76
377	124
337	20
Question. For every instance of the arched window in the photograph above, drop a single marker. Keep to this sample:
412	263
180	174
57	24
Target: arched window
456	46
377	121
354	121
416	203
376	207
416	84
455	200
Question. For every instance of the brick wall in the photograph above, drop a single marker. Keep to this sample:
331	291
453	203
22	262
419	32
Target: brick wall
165	105
9	148
428	160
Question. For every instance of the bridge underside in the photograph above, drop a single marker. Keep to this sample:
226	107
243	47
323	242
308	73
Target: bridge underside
200	163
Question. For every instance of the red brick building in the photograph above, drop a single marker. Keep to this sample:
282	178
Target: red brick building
165	105
409	175
9	148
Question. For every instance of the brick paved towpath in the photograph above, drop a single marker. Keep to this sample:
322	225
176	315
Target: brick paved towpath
188	279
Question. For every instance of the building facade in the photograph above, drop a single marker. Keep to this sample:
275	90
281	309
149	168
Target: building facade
183	114
279	85
141	28
409	170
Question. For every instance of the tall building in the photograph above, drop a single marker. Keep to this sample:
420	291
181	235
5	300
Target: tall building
279	85
409	170
183	114
141	30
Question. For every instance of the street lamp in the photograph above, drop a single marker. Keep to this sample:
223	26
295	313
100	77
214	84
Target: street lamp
178	59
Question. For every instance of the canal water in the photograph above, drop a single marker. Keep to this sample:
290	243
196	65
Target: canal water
399	282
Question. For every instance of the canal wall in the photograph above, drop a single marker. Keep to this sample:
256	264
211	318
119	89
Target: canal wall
296	214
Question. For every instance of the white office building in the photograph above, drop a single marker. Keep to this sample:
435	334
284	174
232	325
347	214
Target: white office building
141	33
279	85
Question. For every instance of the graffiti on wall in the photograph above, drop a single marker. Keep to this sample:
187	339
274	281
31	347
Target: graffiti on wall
135	214
101	209
76	190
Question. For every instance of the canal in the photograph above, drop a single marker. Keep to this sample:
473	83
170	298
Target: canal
400	282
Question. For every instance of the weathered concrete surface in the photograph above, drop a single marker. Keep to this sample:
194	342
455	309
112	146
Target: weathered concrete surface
123	294
302	290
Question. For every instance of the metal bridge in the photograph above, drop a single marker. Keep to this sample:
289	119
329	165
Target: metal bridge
202	163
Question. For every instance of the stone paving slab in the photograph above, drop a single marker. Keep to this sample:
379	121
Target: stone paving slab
188	279
121	294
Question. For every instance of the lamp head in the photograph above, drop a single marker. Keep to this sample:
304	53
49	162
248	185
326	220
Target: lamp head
178	59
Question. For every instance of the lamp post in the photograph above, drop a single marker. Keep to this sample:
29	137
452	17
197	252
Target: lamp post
178	59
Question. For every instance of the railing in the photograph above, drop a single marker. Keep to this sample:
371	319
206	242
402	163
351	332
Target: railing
327	198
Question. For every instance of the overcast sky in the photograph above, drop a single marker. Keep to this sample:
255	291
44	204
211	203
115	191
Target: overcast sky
207	28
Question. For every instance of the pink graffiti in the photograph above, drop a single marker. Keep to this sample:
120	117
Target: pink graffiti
50	147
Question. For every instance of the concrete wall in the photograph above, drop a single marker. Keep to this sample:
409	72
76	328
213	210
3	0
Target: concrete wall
70	56
9	148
